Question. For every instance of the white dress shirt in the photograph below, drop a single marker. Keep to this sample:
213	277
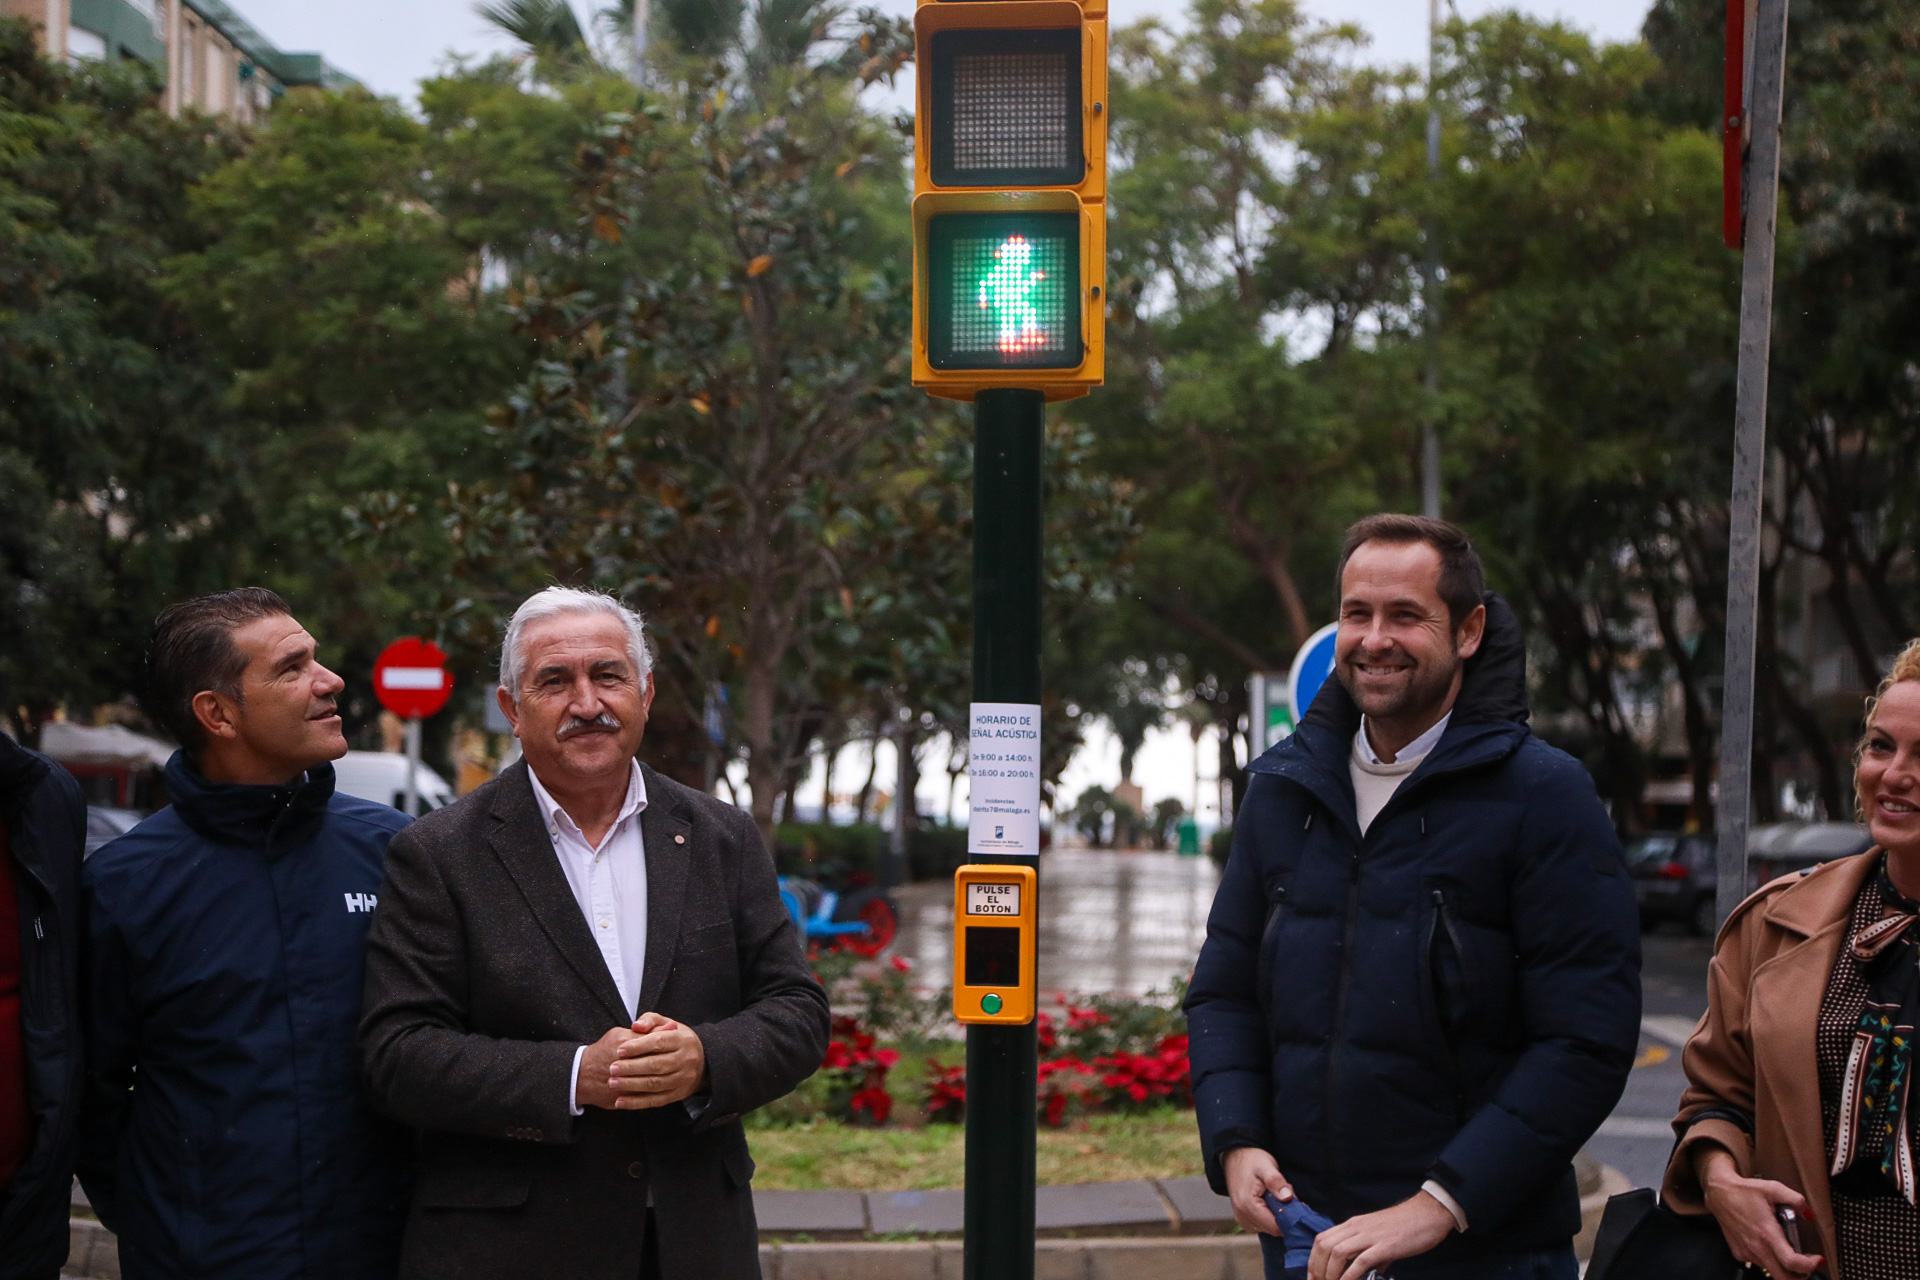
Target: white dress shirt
1418	749
609	881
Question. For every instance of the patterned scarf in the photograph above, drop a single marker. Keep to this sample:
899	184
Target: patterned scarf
1873	1092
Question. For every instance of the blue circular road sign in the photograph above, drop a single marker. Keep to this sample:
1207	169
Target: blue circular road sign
1311	667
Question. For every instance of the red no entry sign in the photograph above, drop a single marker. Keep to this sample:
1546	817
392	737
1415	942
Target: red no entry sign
411	678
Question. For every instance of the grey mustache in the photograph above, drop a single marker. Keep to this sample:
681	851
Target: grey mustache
575	725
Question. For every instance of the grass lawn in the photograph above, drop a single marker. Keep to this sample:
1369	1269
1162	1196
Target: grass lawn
826	1154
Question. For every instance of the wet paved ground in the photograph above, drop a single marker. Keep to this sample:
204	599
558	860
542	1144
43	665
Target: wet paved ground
1636	1139
1127	922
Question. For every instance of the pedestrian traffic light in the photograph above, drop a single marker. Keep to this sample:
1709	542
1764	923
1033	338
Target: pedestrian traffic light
994	916
1010	186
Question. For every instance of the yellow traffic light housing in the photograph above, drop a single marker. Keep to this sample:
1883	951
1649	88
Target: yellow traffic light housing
1012	94
1009	210
994	949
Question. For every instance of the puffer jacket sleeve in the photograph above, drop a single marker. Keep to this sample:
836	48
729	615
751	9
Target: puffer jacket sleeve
1576	938
1226	1027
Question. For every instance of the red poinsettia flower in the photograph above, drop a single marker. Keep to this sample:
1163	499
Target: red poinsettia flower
876	1103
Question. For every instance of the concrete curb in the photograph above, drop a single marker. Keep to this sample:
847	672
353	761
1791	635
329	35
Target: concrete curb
1204	1258
1166	1229
1142	1207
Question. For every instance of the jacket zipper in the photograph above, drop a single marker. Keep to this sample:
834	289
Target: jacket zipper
1443	918
1340	1003
1264	962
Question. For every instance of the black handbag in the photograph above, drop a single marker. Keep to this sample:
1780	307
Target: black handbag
1641	1239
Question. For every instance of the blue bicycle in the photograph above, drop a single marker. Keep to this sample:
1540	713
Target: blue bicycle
863	921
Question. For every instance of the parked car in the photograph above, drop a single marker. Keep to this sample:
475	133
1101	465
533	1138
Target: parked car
103	824
382	776
1674	878
1775	849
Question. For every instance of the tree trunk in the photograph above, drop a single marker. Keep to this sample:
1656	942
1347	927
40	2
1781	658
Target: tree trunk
764	775
1686	667
1586	670
832	750
866	788
1840	599
907	811
1806	726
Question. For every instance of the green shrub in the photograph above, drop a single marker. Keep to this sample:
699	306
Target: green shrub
828	853
1219	845
935	853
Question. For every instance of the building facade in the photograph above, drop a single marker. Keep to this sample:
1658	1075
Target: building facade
210	57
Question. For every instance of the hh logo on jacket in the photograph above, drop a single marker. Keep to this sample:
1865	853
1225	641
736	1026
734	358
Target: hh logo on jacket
362	901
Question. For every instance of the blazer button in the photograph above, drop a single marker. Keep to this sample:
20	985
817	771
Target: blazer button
636	1170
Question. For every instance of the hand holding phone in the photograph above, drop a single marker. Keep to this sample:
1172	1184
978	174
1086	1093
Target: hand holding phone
1790	1226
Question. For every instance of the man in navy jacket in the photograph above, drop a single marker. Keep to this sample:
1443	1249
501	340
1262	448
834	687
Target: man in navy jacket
1419	994
225	1132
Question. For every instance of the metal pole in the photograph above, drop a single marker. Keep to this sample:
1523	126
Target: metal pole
1003	1062
413	766
1734	807
1430	283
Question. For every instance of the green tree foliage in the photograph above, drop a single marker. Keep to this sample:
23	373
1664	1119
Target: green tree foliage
1270	220
1588	339
409	365
1259	399
344	289
707	436
116	457
1844	419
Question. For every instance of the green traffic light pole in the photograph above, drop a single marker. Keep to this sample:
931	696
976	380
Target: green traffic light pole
1003	1062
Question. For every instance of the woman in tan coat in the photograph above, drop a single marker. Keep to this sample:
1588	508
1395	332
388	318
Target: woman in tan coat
1799	1074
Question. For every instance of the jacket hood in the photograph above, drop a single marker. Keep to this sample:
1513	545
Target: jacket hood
271	819
1493	689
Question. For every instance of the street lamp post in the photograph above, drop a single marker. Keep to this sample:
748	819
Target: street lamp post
1734	804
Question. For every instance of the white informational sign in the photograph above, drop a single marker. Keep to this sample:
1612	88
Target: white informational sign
993	899
1003	779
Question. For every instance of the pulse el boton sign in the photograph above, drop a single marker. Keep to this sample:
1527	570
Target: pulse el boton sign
993	944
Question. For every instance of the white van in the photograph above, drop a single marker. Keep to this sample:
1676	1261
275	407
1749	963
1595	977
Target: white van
382	776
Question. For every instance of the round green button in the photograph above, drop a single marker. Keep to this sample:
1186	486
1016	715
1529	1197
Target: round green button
990	1003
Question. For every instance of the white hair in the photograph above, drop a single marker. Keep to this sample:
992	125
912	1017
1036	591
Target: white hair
553	602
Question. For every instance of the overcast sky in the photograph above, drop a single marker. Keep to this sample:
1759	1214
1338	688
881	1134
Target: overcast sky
389	45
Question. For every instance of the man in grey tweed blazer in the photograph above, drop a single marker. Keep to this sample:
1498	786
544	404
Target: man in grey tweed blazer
579	977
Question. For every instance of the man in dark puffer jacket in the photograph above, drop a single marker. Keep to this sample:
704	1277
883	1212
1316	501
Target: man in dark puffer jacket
1419	994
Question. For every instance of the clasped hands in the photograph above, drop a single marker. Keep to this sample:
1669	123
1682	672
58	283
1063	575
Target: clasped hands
653	1063
1371	1241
